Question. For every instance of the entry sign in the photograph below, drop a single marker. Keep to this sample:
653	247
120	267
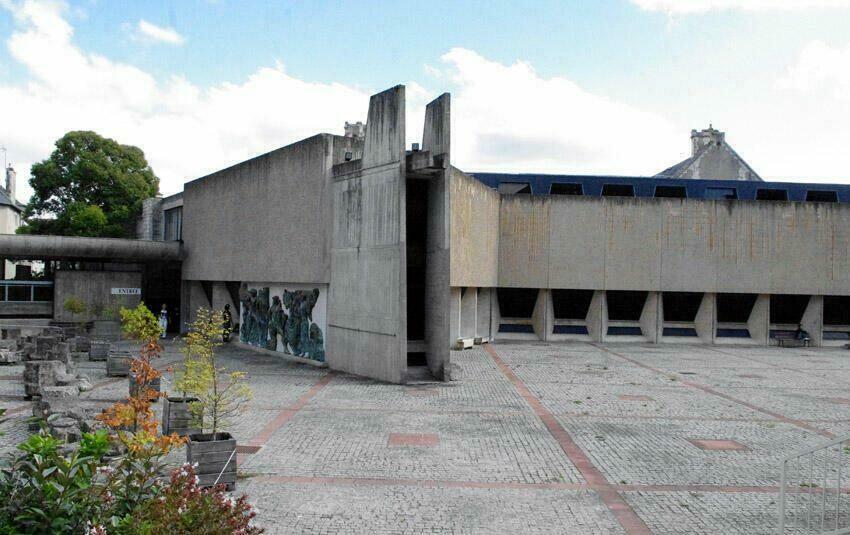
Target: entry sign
126	291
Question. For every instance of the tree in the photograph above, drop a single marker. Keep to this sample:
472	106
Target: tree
221	394
89	186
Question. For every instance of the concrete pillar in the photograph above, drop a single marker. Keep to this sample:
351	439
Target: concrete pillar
705	321
485	305
468	312
454	315
759	322
597	316
540	318
813	319
650	323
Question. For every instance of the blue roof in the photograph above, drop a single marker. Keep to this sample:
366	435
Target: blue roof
591	185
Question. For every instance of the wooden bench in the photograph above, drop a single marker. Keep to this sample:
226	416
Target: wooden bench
789	340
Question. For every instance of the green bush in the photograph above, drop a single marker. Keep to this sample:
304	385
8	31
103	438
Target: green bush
48	488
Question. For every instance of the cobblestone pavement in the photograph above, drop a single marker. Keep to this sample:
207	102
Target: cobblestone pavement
533	438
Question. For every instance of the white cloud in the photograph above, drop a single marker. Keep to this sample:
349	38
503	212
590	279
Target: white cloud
820	67
506	116
160	34
509	118
681	7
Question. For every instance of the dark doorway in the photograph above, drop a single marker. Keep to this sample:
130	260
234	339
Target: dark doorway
625	305
571	304
161	284
417	241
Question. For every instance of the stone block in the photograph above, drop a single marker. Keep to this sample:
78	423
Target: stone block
98	350
59	392
9	356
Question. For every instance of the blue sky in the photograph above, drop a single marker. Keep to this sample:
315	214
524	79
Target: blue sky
603	86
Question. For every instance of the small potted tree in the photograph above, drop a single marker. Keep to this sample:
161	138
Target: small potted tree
200	342
221	395
141	325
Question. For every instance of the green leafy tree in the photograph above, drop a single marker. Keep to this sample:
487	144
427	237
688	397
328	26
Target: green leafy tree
89	186
221	393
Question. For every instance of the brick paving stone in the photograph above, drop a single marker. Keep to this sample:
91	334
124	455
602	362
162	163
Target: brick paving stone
327	465
292	508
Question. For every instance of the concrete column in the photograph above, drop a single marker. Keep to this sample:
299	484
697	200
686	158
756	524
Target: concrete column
597	316
650	323
454	315
468	312
813	319
485	306
705	321
759	322
540	318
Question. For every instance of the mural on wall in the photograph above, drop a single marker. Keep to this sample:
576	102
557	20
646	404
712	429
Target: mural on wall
282	320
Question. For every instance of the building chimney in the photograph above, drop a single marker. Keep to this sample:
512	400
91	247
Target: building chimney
10	182
355	130
709	136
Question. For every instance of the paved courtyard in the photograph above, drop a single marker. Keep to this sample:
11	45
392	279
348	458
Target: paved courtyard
532	438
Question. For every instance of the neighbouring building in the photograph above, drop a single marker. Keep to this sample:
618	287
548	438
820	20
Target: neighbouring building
10	217
374	257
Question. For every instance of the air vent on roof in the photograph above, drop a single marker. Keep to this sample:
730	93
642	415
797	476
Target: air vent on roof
618	190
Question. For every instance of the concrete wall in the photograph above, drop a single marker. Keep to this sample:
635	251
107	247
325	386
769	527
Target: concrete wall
94	289
268	218
674	245
436	138
367	316
474	232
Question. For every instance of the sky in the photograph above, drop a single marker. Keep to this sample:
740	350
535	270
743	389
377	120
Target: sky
582	87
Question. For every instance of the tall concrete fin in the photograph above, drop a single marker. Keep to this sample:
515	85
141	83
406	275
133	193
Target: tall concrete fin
812	320
436	138
367	316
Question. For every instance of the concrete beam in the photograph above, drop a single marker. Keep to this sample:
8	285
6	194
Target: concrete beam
73	247
759	322
597	316
650	324
813	319
541	317
705	320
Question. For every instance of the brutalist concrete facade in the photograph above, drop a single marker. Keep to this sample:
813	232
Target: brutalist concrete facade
372	257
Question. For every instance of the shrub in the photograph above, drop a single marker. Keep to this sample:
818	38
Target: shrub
184	507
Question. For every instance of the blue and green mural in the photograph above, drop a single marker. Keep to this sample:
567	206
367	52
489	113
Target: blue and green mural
282	320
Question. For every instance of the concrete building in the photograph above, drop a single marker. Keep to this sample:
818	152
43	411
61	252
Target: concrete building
10	217
375	258
711	157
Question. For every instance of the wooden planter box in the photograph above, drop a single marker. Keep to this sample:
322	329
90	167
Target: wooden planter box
153	385
215	454
177	418
118	364
82	343
99	350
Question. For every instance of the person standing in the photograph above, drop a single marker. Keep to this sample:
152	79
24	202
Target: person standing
227	327
163	319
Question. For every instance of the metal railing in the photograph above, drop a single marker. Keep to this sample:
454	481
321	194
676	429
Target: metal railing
26	291
814	496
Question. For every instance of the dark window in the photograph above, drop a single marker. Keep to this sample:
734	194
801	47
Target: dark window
625	305
516	302
767	194
514	188
566	189
173	228
681	306
675	192
836	310
721	193
618	190
787	309
571	304
814	195
735	308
